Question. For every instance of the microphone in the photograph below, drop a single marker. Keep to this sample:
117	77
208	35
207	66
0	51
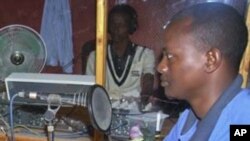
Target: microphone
78	99
95	98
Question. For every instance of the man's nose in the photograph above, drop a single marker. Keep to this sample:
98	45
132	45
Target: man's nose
162	66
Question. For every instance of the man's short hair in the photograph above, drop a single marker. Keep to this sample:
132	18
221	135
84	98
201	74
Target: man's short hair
220	26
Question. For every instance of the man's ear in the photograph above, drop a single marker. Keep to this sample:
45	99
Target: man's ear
214	59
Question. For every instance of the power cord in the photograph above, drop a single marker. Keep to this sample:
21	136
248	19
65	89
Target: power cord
11	117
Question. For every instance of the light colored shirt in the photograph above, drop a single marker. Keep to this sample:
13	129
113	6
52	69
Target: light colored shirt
129	84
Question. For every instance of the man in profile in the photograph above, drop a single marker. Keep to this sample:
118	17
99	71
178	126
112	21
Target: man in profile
204	45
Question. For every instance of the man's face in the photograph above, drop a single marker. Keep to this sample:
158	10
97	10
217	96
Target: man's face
119	27
182	65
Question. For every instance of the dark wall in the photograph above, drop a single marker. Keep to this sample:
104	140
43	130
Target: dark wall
26	12
29	13
83	18
152	16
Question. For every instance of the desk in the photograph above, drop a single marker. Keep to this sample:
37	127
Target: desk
167	125
33	138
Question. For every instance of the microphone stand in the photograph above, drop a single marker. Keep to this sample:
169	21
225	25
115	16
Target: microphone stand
50	115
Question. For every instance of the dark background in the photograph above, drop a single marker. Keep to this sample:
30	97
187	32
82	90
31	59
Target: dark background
152	16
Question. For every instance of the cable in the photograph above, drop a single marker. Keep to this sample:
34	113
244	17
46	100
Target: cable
11	117
118	126
7	127
5	133
5	123
30	130
72	135
3	129
59	135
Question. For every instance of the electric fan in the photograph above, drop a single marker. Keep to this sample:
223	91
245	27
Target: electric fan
21	50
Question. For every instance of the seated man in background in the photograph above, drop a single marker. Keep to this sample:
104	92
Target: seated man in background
130	67
204	45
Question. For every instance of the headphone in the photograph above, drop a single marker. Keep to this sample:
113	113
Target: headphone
127	10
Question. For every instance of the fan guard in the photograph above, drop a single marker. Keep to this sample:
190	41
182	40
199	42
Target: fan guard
22	49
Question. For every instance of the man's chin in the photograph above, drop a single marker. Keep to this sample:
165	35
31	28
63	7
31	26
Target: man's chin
171	97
